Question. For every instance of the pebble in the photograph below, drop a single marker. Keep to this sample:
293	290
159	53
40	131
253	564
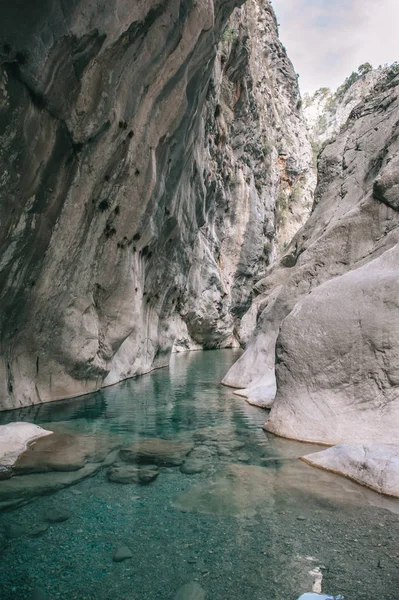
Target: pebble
190	591
38	530
57	515
122	553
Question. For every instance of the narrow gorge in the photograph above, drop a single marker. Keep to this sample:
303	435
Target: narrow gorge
169	199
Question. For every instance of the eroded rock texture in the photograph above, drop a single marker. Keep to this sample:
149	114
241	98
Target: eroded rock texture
139	178
330	309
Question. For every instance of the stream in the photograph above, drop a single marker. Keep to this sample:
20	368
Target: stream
254	523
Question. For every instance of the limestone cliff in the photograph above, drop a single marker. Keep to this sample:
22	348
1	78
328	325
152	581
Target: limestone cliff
329	311
147	171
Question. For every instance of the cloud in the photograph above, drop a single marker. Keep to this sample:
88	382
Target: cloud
328	39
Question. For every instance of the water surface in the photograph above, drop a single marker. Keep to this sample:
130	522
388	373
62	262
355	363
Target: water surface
252	526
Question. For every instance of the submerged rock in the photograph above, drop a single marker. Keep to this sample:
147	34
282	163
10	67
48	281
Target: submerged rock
57	515
239	490
38	530
373	465
131	474
64	452
166	453
190	591
122	553
192	466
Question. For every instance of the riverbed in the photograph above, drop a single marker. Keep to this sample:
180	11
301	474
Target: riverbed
254	523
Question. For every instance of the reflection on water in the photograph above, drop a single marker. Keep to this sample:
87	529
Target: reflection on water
249	521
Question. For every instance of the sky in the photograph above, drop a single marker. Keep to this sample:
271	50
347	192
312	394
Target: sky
328	39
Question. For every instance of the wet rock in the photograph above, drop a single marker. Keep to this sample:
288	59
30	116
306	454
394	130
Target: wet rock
220	435
64	452
222	451
19	490
5	472
190	591
131	474
242	457
122	553
167	453
239	490
38	530
14	530
57	515
15	439
192	466
373	465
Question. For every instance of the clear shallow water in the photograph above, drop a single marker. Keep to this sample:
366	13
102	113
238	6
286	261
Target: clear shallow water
251	526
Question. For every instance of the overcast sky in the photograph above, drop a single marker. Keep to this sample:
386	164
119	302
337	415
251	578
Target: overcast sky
328	39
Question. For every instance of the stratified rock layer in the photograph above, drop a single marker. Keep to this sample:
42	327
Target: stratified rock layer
330	308
141	163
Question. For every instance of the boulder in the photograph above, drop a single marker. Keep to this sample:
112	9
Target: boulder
373	465
166	453
64	452
338	360
15	439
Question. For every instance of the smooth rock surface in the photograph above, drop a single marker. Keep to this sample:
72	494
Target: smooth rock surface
122	553
15	439
191	591
239	490
155	159
130	474
332	319
192	466
166	453
373	465
64	452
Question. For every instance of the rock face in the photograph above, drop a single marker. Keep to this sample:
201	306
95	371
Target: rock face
146	168
329	310
373	465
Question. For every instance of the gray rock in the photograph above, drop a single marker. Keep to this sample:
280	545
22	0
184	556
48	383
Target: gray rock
15	438
121	554
57	515
373	465
118	196
190	591
131	474
332	319
192	466
166	453
64	452
38	530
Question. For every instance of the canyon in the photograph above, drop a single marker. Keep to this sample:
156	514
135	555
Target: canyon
158	196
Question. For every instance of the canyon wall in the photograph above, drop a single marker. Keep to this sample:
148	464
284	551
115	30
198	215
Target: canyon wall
153	154
328	312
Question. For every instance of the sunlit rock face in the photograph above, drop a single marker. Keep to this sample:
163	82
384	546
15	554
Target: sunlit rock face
139	180
330	307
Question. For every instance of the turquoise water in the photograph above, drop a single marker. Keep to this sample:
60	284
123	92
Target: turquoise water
252	525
